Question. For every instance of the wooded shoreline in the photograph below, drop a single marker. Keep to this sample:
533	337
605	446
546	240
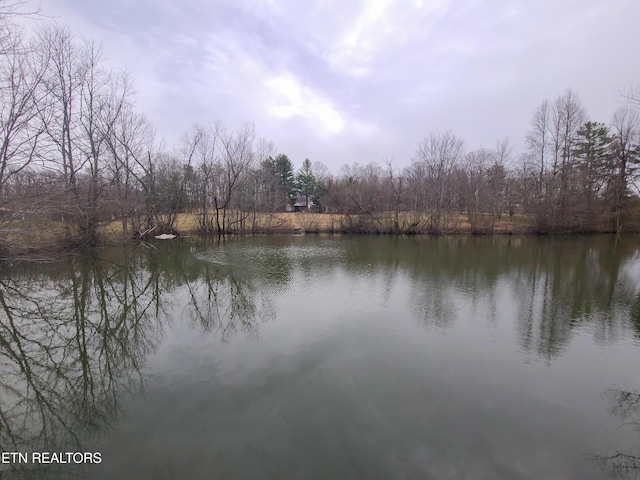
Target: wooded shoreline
43	241
80	166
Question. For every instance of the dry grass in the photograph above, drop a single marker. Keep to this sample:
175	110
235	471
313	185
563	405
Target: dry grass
42	234
35	236
284	222
382	222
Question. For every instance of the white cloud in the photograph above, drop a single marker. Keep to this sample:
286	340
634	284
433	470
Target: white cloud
381	27
289	98
365	79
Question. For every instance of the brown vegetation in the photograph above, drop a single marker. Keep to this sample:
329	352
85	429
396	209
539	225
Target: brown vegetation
80	166
307	222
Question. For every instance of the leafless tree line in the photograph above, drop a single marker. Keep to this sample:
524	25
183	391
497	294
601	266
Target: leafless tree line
74	150
441	186
577	175
583	173
61	131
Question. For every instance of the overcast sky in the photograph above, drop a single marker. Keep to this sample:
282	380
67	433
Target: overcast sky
340	81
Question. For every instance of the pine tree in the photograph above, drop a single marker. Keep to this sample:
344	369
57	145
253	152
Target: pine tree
306	183
594	161
283	169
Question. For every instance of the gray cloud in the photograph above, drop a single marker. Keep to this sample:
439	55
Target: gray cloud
363	81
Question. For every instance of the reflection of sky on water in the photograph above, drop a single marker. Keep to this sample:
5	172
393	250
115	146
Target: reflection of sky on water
380	357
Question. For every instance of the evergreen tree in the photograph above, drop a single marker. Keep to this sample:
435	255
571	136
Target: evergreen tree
306	183
283	169
594	161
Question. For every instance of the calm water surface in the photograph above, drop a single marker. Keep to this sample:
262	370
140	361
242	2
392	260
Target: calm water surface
327	357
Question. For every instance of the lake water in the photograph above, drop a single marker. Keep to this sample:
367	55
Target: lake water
311	357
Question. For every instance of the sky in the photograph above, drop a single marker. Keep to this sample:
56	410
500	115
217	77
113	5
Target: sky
343	81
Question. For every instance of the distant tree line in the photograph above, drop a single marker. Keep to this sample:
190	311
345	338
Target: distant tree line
74	149
577	175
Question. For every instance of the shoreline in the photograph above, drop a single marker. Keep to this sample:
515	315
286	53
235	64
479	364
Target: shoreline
47	244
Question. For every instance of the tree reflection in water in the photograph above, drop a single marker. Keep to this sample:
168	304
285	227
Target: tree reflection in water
572	284
625	405
555	286
224	302
75	337
72	340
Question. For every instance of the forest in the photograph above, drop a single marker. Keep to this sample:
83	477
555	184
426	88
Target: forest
76	157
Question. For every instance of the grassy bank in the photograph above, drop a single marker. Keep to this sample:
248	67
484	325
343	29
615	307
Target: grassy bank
381	223
42	237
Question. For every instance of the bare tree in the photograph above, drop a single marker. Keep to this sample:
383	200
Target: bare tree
235	158
126	145
204	142
20	127
439	154
103	97
497	176
9	31
262	181
61	117
20	100
395	186
626	154
473	177
538	141
568	115
632	94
